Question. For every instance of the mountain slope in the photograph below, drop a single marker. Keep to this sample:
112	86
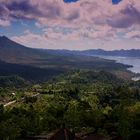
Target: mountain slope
12	81
28	72
40	65
12	52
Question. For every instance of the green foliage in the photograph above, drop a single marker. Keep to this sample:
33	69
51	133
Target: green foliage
91	103
12	82
87	77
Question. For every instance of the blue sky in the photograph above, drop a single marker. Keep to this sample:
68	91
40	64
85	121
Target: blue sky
72	24
113	1
116	1
67	1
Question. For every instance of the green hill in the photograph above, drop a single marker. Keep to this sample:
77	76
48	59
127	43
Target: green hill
88	77
12	81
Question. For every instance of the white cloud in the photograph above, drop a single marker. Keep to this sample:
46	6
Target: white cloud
133	34
4	23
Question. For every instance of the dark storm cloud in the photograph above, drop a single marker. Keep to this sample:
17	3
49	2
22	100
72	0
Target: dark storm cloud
27	10
23	5
126	18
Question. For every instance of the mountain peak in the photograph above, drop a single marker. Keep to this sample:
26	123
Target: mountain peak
8	43
3	37
3	41
13	52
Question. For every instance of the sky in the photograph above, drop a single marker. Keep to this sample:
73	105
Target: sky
72	24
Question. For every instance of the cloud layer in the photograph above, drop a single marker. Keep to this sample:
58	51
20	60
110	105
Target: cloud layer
94	19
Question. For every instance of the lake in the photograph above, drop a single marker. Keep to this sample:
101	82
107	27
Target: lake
135	62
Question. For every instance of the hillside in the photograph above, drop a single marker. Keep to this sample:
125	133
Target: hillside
30	73
41	65
86	102
13	52
87	77
12	82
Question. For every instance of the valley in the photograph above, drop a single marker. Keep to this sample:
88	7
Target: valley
41	91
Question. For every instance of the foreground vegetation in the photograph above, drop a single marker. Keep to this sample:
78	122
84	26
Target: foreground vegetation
85	101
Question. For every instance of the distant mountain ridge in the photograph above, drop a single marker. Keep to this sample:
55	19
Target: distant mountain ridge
96	52
122	52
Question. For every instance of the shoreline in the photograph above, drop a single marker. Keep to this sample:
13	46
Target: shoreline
129	67
136	78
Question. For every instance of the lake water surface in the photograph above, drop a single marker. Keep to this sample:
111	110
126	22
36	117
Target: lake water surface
135	62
